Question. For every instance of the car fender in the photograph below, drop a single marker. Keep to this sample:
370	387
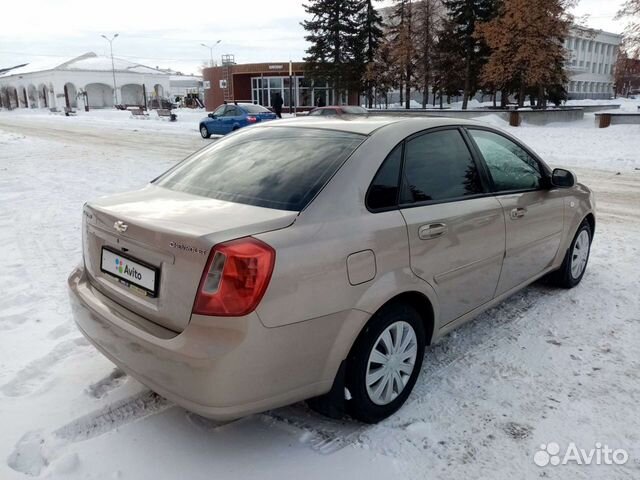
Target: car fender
578	204
390	285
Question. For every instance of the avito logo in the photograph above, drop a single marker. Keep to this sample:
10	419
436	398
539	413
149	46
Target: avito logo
126	270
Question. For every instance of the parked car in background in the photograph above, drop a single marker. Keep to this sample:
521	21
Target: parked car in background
317	259
338	110
232	116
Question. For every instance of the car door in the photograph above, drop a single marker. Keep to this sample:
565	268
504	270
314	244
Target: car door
534	214
214	125
455	225
230	118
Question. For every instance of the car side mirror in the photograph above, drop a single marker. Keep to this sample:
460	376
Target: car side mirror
562	178
211	115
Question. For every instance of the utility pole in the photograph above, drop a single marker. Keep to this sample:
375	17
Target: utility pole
211	47
113	68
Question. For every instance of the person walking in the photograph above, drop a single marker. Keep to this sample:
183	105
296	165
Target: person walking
277	104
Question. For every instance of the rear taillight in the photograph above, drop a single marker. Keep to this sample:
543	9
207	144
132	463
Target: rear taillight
235	278
251	119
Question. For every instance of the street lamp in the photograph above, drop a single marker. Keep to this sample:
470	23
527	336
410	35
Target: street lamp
210	47
113	67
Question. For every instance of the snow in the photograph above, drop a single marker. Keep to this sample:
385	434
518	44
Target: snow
547	365
87	61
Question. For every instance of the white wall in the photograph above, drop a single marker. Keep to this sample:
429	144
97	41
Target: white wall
56	79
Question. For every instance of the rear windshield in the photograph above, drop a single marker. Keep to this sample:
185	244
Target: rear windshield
273	167
253	108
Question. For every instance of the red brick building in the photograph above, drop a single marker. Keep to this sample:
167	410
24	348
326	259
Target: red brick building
259	83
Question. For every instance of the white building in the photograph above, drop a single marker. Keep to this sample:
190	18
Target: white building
591	63
74	83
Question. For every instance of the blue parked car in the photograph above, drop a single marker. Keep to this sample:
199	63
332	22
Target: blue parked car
229	117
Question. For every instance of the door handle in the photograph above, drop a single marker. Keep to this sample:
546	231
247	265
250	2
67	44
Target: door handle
433	230
517	213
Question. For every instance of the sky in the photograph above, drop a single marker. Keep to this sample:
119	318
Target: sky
169	35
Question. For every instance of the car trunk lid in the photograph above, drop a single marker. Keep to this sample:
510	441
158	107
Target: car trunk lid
169	234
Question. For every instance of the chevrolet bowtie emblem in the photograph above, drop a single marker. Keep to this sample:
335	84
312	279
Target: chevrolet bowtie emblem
120	226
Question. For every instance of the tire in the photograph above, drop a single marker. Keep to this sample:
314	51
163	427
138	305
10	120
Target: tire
204	131
575	260
373	402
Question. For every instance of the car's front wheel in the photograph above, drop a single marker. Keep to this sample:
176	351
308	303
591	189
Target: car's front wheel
575	261
204	131
385	363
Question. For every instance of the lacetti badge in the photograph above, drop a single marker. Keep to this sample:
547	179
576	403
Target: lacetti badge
125	269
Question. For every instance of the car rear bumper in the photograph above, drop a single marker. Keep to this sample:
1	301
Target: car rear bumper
222	368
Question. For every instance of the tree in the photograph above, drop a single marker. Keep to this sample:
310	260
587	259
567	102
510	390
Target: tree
465	15
370	36
402	47
627	71
427	15
448	62
383	72
333	35
631	9
526	44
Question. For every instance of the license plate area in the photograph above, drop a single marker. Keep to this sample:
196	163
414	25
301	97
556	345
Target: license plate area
129	271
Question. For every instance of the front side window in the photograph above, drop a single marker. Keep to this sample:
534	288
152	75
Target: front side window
510	166
438	166
273	167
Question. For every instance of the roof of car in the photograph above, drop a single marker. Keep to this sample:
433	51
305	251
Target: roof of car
364	125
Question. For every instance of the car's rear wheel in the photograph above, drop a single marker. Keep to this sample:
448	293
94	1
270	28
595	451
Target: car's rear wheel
385	363
204	131
575	261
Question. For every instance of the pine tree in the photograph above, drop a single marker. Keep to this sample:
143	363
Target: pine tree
333	35
427	16
527	52
370	36
448	62
465	15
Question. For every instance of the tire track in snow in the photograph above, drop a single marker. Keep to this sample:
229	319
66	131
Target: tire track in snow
38	372
37	449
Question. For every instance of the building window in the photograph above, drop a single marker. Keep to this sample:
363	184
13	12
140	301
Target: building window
305	94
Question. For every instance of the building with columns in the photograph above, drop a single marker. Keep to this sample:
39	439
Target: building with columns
591	63
86	80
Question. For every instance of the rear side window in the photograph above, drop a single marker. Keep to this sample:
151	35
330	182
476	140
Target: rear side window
383	192
273	167
438	166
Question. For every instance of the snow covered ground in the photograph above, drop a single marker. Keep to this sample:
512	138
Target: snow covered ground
545	366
